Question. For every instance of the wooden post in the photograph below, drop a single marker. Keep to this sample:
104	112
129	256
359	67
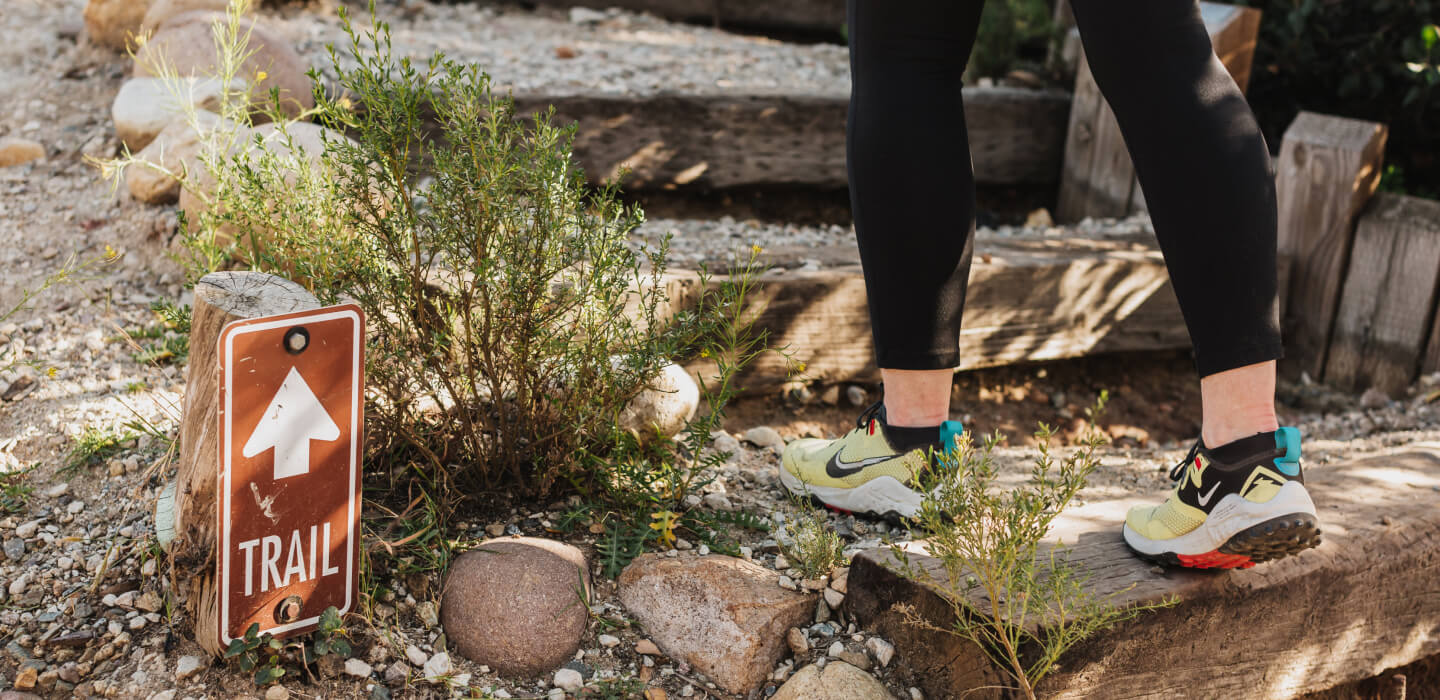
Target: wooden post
1328	169
1098	178
220	297
1389	299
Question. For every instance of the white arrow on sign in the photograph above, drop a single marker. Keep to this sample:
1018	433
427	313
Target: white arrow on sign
293	418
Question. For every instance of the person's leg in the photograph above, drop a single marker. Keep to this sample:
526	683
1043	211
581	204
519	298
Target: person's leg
912	194
1204	168
1205	171
912	191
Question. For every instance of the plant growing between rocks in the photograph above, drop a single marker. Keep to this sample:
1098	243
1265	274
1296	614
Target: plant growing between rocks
1019	600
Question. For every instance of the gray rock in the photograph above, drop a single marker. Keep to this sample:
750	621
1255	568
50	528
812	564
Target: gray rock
14	548
665	406
145	106
856	396
27	529
764	436
415	655
358	668
516	605
837	681
568	679
882	650
725	617
437	668
1373	399
188	666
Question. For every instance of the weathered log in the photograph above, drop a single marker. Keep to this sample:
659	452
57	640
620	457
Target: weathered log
1328	169
1098	178
1030	299
1389	300
703	141
220	298
1366	600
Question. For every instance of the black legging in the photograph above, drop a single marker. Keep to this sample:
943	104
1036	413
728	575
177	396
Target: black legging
1198	153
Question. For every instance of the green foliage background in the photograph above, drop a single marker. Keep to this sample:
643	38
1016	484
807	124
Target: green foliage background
1372	60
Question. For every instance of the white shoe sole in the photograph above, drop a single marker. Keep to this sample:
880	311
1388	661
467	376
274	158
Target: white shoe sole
880	496
1233	515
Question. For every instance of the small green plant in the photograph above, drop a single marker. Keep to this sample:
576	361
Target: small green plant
95	445
1020	601
1011	30
259	653
813	546
167	341
15	489
72	269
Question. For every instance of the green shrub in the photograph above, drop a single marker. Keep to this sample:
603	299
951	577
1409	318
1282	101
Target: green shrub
1012	33
1372	60
510	316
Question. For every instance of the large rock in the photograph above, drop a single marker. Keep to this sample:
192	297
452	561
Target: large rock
666	405
724	616
188	45
18	151
114	23
515	604
163	12
177	150
145	106
838	681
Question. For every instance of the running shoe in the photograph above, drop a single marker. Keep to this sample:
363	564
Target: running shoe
872	469
1232	507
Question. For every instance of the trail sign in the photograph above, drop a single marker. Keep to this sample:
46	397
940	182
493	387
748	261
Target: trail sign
291	421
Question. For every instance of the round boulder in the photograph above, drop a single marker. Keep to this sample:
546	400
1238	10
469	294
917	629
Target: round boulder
187	43
163	12
666	405
515	604
114	23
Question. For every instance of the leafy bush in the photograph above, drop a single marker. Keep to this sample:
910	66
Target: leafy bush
510	316
1022	603
1012	33
1374	60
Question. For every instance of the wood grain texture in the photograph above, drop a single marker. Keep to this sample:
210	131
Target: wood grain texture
1327	171
1030	299
1366	600
1098	178
1388	304
674	141
220	297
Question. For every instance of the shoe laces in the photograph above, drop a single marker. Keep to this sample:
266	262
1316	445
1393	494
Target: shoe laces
870	413
1178	472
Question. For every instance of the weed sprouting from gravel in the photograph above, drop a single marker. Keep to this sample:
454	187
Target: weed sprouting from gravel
94	446
813	546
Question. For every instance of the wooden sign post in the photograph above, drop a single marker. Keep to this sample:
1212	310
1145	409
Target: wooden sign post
221	299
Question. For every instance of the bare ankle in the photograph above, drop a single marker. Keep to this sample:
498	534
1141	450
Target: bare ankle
917	398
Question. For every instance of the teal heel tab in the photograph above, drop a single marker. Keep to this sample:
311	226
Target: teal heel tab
1288	439
950	431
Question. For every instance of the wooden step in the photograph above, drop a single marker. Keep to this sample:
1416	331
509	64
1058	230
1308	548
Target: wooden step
1366	600
1031	298
674	140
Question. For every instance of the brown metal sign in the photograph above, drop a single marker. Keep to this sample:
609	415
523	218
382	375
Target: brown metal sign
291	419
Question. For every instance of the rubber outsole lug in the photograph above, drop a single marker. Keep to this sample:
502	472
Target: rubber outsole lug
1273	539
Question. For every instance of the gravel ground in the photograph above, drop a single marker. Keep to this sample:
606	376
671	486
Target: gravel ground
82	600
551	52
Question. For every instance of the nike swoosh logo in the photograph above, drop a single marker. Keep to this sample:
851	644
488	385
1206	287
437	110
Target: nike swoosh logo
838	468
1205	499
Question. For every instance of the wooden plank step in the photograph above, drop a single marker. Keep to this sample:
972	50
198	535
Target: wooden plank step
1366	600
705	141
1031	298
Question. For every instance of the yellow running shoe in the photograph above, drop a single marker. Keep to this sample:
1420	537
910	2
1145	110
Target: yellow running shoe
864	471
1233	506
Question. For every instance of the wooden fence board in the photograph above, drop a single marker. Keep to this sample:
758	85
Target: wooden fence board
1388	305
1327	171
1098	179
1366	600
